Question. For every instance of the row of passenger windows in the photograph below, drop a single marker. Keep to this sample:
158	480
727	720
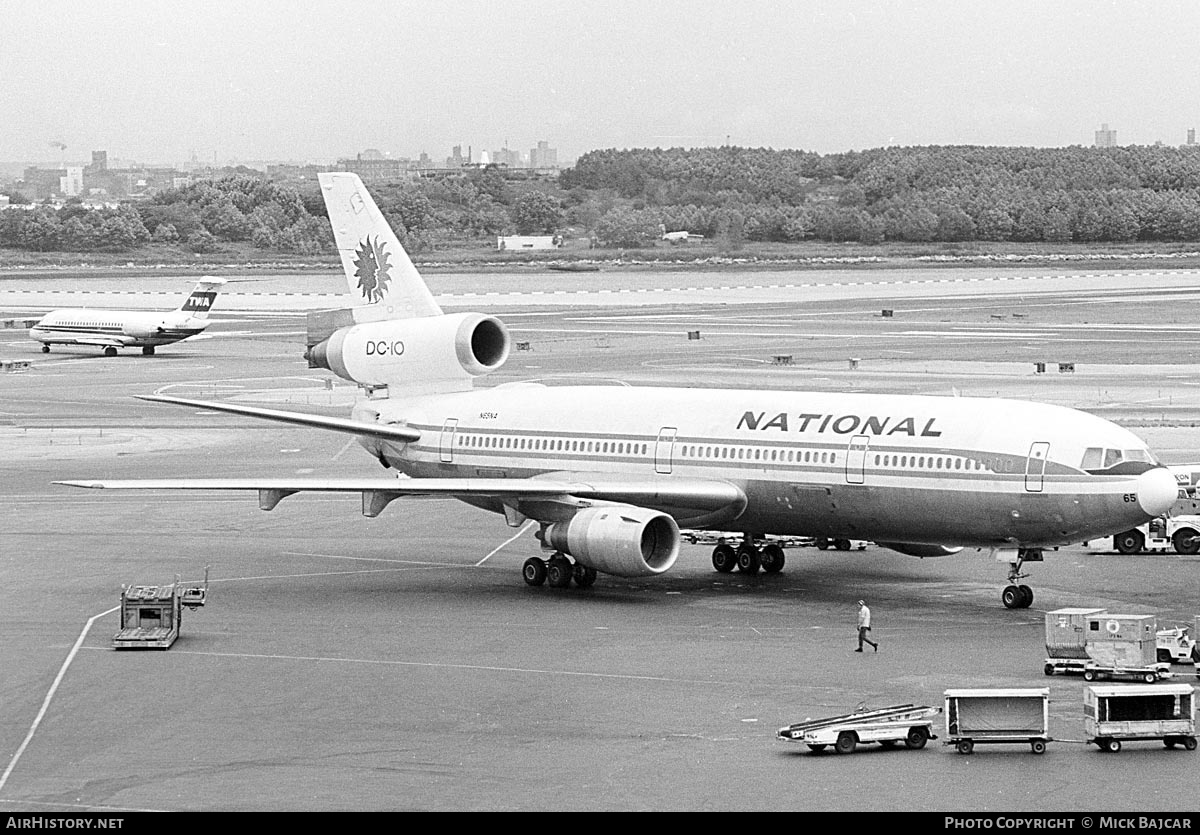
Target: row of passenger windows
553	444
727	453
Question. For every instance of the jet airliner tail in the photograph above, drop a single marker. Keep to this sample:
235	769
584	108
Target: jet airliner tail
381	278
201	300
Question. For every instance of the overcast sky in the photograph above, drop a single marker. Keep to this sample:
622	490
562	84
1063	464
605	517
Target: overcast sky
265	80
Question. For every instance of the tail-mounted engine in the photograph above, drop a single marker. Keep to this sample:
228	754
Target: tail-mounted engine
412	353
623	540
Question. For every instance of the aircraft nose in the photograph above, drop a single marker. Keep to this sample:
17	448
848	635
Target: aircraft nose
1157	491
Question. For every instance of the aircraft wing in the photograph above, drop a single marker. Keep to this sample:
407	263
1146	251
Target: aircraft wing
692	498
386	431
100	341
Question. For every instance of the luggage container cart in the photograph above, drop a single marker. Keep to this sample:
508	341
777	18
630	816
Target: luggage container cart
1001	715
1113	713
909	724
1123	647
1066	640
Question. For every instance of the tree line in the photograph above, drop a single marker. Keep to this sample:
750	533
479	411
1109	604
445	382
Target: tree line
628	198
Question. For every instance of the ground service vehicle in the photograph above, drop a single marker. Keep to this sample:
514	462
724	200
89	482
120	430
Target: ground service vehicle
1178	528
909	724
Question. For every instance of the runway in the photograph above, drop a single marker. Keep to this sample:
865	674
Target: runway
400	663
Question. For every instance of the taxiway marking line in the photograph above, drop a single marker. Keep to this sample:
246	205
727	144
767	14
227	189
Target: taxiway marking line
62	672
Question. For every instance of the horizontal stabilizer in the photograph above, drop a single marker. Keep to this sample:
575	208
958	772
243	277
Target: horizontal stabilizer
387	432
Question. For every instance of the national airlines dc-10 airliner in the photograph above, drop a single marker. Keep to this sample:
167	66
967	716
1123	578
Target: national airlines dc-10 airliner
611	474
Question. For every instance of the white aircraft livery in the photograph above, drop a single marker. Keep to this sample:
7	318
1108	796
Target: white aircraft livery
113	329
611	474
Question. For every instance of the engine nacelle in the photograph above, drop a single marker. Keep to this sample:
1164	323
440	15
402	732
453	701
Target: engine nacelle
414	352
914	550
142	330
623	540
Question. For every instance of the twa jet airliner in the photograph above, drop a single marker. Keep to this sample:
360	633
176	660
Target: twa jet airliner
113	329
611	474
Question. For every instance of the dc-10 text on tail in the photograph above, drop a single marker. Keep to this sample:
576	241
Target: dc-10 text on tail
611	474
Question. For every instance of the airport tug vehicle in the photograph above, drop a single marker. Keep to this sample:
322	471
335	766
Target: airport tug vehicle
151	615
1116	713
975	716
909	724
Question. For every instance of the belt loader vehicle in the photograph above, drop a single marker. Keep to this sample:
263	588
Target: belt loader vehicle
908	724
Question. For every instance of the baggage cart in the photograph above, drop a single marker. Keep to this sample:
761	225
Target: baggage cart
1123	647
906	723
1066	640
977	716
1116	713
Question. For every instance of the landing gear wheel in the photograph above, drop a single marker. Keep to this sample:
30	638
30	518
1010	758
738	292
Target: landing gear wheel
772	558
585	576
110	351
558	572
534	571
148	350
965	746
845	743
842	544
916	738
1011	597
748	561
1038	746
1026	596
724	559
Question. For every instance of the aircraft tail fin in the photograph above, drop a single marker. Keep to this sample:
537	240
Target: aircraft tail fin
379	274
201	300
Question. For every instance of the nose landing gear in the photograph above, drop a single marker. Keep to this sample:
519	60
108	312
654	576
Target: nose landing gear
1018	596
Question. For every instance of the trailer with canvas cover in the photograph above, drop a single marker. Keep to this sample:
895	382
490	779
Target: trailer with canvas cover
909	724
1002	715
1117	713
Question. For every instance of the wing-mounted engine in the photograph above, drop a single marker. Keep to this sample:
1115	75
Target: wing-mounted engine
915	550
434	352
618	539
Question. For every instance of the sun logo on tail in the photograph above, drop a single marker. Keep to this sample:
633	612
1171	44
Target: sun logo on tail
372	272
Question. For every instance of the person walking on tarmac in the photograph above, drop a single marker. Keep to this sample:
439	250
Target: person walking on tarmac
864	626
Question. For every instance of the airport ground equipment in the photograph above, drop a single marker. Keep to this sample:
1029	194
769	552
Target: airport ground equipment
909	724
151	615
1123	647
984	716
1178	529
1117	713
1066	640
1176	646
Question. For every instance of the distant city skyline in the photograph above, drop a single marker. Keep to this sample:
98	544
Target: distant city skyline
163	82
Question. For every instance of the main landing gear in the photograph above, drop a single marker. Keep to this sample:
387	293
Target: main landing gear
1017	596
748	558
558	571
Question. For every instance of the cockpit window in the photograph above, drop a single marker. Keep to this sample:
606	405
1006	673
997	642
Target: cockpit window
1117	461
